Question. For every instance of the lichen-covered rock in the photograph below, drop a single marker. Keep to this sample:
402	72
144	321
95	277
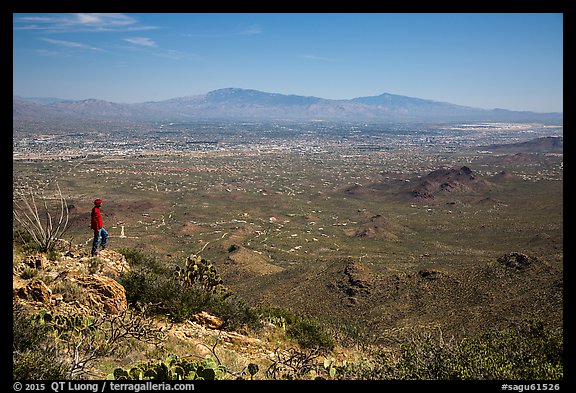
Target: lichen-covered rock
207	320
35	290
109	263
99	292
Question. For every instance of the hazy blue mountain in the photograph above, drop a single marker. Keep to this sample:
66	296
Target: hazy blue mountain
416	106
241	96
233	103
39	100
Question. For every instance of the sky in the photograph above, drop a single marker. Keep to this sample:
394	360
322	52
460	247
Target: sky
484	60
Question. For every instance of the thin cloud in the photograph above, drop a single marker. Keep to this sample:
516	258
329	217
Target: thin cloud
80	22
142	41
149	46
70	44
104	20
252	30
47	52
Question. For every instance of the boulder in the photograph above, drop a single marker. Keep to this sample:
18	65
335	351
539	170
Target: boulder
207	320
35	291
100	292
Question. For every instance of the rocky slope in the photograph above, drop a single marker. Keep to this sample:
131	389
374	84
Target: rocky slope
73	283
393	304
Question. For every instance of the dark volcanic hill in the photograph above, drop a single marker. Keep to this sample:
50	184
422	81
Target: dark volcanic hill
438	186
448	180
238	104
433	187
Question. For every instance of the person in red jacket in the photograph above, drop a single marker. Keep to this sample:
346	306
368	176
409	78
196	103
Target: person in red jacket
96	224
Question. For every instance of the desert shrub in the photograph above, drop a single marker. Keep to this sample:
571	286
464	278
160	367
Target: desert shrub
138	283
310	333
380	365
34	354
528	350
294	363
426	357
38	365
150	282
160	292
525	351
307	331
24	241
179	296
28	273
137	258
70	291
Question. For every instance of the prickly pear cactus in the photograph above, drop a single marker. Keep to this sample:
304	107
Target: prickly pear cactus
172	368
197	271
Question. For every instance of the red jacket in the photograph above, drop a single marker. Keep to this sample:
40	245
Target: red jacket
96	222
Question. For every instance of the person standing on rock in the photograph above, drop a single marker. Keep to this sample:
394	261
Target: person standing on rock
100	234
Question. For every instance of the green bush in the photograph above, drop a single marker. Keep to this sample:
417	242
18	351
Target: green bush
155	284
525	351
28	273
137	258
24	241
161	293
308	332
34	354
528	350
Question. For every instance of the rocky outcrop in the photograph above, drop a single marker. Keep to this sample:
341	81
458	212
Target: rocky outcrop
354	282
516	260
208	320
35	291
110	263
71	280
98	292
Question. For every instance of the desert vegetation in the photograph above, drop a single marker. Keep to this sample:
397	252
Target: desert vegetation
352	253
50	345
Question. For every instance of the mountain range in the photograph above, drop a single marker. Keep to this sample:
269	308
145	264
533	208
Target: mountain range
247	104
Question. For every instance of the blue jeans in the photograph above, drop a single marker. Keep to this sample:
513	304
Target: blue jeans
101	234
